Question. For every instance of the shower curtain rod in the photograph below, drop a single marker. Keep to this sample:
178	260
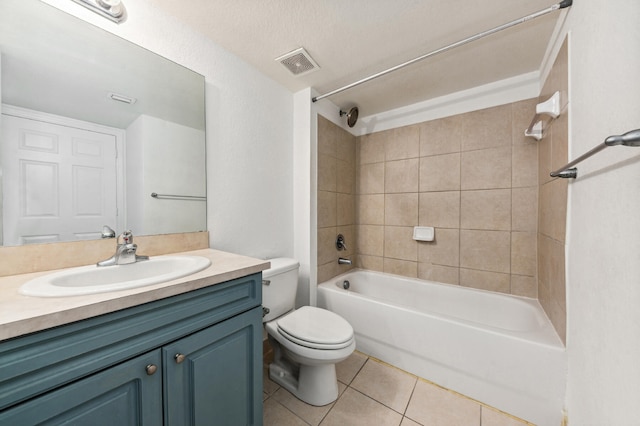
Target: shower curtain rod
561	5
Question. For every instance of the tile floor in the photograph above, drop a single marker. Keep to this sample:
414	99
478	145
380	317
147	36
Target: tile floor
375	393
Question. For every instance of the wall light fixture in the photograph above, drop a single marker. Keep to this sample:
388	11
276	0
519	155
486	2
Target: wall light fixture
113	10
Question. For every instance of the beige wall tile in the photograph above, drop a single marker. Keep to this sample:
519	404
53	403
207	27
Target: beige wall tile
485	280
326	173
438	273
405	268
399	243
486	128
327	271
485	250
552	210
444	250
440	209
370	209
370	148
559	141
345	207
441	136
371	179
371	240
486	168
327	208
544	159
440	173
371	263
403	144
557	273
524	209
522	113
346	146
401	176
327	135
401	209
524	286
345	177
523	253
327	252
544	264
524	164
486	209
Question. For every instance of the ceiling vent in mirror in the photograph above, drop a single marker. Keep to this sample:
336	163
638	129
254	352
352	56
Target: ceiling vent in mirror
121	98
111	9
298	62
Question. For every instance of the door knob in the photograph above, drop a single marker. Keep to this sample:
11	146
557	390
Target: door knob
179	358
151	369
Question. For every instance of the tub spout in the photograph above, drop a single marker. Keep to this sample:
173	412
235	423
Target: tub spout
343	261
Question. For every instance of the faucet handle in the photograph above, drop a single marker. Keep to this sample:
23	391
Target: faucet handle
107	232
127	237
340	244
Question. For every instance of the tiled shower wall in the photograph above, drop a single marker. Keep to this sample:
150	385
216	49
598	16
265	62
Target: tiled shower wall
336	197
474	177
552	214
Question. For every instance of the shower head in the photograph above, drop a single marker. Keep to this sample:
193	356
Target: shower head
631	138
352	116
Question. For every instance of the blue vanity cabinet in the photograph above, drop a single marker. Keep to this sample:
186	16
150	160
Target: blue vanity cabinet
191	359
128	394
209	376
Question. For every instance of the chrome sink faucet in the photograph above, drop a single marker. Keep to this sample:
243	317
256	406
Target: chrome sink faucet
125	252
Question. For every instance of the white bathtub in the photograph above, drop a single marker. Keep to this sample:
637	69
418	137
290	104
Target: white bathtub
498	349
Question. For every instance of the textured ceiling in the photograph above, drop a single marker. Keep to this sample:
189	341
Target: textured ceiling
353	39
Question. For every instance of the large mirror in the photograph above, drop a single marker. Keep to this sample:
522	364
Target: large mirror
92	126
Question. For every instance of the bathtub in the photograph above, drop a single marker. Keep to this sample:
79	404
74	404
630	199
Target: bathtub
498	349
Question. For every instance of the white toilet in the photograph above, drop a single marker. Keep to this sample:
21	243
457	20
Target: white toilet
307	342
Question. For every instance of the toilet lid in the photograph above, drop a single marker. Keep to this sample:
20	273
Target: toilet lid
316	328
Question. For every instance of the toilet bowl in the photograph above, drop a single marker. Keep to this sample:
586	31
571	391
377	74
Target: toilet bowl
307	342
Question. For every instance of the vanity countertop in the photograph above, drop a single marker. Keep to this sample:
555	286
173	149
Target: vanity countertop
21	315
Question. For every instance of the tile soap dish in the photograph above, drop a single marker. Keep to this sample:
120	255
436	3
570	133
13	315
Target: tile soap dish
423	233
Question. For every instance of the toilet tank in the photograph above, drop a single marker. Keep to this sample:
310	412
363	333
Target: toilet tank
279	287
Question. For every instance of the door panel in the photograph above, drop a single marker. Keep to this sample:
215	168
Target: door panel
219	382
59	182
123	395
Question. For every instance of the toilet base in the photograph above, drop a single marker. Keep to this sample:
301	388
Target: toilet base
316	385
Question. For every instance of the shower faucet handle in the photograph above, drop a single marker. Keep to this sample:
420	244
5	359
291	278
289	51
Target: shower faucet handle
340	244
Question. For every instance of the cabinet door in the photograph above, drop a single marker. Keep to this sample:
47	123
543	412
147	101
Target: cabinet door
213	377
126	394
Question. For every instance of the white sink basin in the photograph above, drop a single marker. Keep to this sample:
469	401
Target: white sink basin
93	279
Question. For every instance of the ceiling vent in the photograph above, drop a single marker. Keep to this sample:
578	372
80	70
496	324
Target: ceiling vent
298	62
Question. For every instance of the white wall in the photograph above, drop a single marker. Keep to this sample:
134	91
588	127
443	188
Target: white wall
603	244
165	158
249	132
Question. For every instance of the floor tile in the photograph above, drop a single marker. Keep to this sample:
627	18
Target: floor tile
387	385
356	409
277	415
431	405
491	417
268	386
347	369
406	421
309	413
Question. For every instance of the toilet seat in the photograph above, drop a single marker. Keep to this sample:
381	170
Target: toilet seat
316	328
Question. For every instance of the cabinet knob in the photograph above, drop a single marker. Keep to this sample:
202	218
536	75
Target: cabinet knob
179	358
151	369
